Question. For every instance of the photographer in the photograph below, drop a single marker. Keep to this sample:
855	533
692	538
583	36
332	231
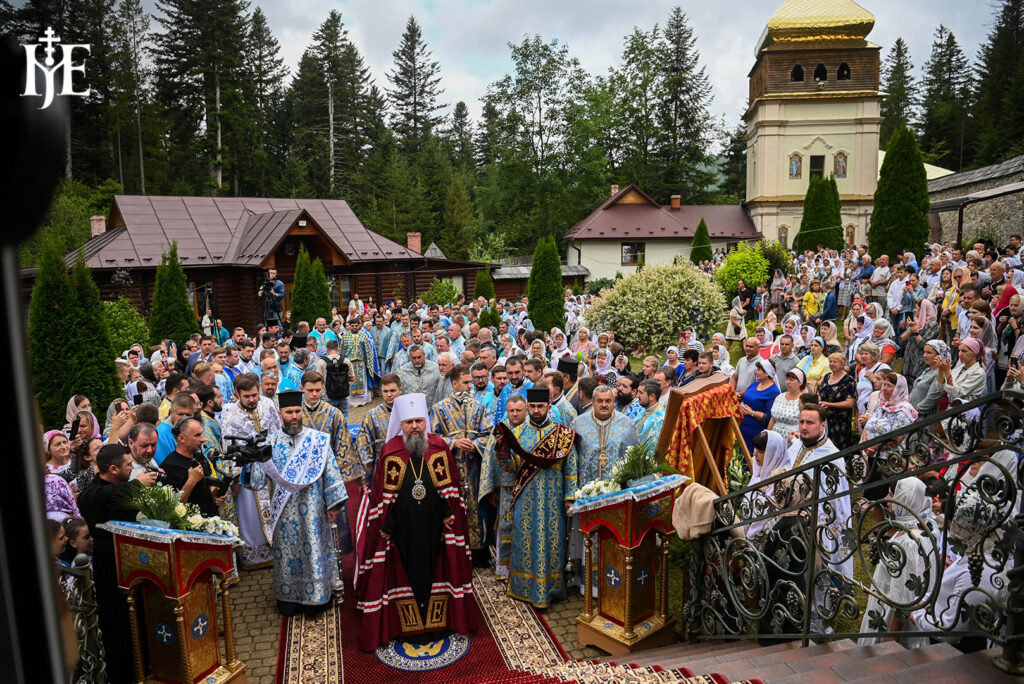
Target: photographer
186	468
101	503
142	444
271	294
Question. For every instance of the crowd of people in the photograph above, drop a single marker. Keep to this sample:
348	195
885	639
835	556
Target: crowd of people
484	435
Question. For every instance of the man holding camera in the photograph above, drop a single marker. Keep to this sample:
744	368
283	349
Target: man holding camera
271	294
186	468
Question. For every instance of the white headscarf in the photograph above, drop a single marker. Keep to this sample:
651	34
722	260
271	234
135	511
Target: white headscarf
407	407
776	457
912	502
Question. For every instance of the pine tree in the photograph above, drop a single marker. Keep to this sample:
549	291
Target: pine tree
172	315
945	103
544	288
310	291
91	356
684	112
700	248
484	285
50	315
733	187
457	236
131	78
433	172
900	216
999	93
415	81
265	74
460	139
633	91
901	91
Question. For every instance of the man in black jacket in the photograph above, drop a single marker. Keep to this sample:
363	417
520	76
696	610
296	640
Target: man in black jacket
186	467
100	503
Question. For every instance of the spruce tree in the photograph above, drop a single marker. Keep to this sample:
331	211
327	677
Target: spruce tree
265	74
945	103
700	249
304	290
460	139
821	223
999	93
484	285
415	81
457	233
50	316
900	216
546	303
733	188
172	315
91	357
901	91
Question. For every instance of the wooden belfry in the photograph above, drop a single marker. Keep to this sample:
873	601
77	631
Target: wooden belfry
715	434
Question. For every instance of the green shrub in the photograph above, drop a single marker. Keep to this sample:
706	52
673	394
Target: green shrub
127	326
778	257
489	318
899	219
544	288
594	287
650	308
821	222
49	323
701	246
440	292
172	316
484	286
311	293
89	352
744	263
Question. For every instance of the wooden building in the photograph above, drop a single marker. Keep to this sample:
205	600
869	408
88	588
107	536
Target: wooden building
225	245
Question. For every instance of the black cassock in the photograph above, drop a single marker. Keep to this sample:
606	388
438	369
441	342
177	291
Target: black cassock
99	503
417	529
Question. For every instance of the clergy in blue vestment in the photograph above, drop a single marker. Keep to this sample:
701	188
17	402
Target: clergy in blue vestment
373	431
322	334
465	426
307	496
250	414
562	411
497	477
356	346
381	336
319	415
603	435
652	416
544	487
290	374
626	402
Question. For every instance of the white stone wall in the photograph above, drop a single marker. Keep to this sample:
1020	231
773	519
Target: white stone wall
604	257
1001	216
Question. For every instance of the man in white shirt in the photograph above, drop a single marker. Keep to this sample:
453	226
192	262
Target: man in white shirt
894	296
880	279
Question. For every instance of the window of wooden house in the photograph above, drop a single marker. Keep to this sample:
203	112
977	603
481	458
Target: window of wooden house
341	291
817	166
797	73
632	253
843	72
820	73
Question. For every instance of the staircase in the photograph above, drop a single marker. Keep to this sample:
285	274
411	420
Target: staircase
732	662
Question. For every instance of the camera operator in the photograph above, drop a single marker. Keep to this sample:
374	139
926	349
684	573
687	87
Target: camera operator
272	293
142	444
186	468
102	502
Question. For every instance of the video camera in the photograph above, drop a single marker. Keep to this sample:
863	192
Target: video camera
246	450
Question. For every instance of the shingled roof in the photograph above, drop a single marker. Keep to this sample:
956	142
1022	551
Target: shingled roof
239	231
631	214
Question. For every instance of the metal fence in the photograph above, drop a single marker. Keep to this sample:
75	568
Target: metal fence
81	597
827	550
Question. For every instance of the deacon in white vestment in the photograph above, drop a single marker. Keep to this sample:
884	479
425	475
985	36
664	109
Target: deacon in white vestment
307	494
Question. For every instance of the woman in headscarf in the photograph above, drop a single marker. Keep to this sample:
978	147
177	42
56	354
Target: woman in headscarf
764	342
770	455
537	351
603	367
892	412
778	288
757	402
882	337
688	339
829	333
968	380
736	328
57	448
78	402
583	345
789	327
807	334
1009	325
941	286
926	392
559	347
722	361
786	407
861	335
908	513
923	326
672	358
815	364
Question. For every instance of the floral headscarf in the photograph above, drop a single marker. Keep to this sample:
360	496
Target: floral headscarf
927	314
898	402
940	347
603	368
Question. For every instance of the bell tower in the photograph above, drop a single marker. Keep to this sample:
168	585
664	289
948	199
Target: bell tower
814	110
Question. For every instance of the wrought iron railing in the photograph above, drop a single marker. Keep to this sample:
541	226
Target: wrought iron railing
829	562
81	596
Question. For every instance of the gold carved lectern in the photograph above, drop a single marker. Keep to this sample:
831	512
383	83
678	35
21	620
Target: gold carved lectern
632	529
171	577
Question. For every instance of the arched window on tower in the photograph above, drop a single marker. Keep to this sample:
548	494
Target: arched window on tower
784	236
843	73
820	73
797	74
851	235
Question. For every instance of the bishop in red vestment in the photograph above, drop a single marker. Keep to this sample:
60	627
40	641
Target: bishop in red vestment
414	572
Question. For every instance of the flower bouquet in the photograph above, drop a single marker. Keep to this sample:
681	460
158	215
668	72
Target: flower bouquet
161	506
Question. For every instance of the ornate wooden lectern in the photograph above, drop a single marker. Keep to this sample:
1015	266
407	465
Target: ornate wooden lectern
632	528
178	573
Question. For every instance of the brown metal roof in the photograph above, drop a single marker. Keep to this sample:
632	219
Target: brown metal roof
239	231
615	220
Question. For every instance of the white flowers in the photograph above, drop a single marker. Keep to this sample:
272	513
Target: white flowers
195	520
597	488
214	525
181	510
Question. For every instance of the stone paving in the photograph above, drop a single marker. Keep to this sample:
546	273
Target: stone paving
561	617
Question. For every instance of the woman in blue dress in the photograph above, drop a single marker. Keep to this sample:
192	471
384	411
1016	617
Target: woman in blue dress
756	405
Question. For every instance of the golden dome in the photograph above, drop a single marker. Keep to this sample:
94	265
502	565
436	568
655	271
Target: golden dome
817	20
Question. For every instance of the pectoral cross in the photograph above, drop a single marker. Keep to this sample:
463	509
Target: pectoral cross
601	461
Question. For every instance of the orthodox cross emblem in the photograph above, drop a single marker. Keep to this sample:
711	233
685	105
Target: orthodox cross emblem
642	577
164	634
199	626
613	577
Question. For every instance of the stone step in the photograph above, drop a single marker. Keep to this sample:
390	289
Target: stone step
761	657
958	667
811	664
700	648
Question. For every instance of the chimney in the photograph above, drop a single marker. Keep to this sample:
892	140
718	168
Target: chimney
414	242
675	201
98	225
615	190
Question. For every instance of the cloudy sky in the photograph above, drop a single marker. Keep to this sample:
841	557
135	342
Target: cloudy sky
469	37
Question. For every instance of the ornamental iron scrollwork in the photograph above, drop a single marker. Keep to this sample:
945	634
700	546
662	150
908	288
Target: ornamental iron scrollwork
80	593
830	549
